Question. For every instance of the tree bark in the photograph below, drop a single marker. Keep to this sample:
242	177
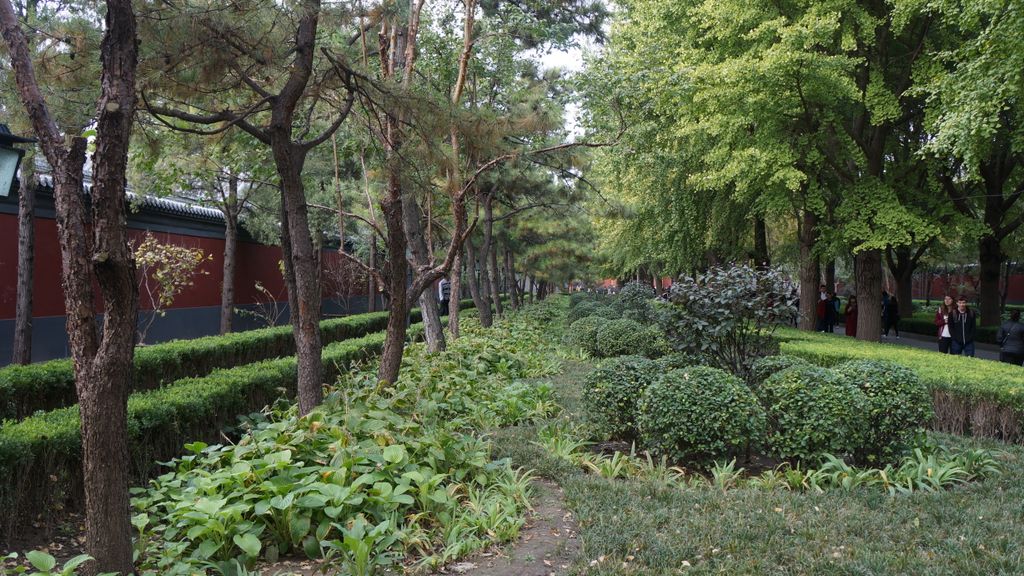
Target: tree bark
371	288
495	276
869	290
227	293
990	260
394	339
761	257
455	278
510	277
810	270
477	286
100	252
26	264
412	217
830	274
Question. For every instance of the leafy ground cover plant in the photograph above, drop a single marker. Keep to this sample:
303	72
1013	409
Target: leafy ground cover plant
729	315
699	414
377	474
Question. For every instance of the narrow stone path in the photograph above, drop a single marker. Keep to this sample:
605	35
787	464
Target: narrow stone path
547	544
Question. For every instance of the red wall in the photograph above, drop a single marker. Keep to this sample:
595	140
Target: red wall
255	262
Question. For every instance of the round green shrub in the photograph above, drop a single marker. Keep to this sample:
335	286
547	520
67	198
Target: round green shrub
635	301
813	411
763	368
583	332
623	336
899	406
699	414
591	308
611	393
679	360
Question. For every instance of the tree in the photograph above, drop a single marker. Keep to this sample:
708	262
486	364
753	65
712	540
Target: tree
251	99
95	249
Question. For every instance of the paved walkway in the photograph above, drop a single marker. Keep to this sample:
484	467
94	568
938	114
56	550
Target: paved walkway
986	351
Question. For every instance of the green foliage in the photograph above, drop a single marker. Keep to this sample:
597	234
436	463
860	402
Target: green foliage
583	333
50	385
699	414
611	393
623	336
635	302
813	411
764	368
591	308
970	396
899	406
679	360
729	314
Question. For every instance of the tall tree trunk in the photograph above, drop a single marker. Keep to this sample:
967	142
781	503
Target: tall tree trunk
869	290
371	287
810	270
397	266
26	263
990	259
478	285
98	251
510	278
761	257
830	274
494	272
306	319
542	290
455	278
227	293
412	217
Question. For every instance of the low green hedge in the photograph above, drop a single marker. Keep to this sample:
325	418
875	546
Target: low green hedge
40	457
25	390
970	395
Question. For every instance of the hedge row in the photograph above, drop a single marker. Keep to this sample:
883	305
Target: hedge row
25	390
40	457
971	396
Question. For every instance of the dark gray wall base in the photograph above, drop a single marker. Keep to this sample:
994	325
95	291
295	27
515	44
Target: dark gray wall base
50	339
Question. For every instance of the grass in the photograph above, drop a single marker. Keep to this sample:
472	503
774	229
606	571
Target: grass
638	527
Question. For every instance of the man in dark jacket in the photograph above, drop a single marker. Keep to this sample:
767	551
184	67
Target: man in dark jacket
962	325
1011	340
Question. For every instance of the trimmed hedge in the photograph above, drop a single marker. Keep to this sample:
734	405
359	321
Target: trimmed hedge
699	414
611	393
970	396
40	457
25	390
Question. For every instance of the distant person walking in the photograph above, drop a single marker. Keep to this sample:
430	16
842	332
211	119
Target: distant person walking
444	294
962	326
851	316
892	317
821	309
1011	340
942	315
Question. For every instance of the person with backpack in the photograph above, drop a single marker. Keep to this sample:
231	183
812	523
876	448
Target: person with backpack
1011	340
962	324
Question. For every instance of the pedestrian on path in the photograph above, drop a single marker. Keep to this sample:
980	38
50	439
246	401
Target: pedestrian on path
942	315
851	315
892	317
962	326
1011	340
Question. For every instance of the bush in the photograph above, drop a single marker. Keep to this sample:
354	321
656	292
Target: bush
679	360
699	414
813	411
635	302
622	336
899	406
970	396
583	333
764	368
729	314
591	308
611	393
